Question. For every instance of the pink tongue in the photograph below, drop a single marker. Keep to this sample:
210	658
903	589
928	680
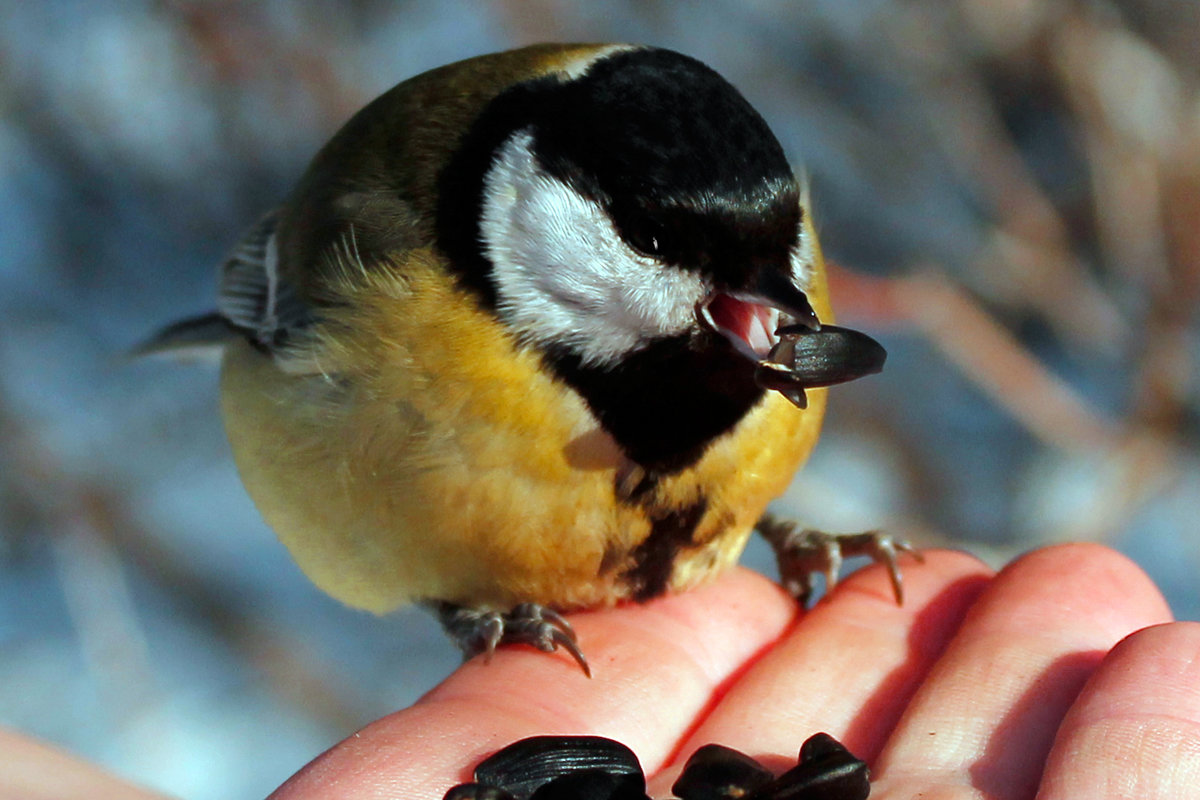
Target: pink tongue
750	322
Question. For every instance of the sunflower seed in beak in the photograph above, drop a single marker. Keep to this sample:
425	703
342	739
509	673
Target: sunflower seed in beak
807	359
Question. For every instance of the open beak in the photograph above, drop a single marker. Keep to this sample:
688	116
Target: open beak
775	327
750	319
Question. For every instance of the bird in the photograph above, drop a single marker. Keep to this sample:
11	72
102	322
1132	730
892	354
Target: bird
537	331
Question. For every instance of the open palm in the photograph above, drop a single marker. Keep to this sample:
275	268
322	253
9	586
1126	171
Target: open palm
1019	685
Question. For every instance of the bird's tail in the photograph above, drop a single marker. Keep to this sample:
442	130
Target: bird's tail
195	337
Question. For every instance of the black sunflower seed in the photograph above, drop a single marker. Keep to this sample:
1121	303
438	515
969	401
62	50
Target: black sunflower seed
525	766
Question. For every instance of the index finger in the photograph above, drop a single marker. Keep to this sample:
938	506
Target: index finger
657	668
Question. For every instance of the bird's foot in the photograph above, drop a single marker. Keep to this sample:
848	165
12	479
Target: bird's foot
804	553
477	630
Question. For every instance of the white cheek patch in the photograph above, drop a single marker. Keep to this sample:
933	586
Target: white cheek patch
563	275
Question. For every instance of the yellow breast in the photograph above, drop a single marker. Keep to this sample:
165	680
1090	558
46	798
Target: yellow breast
420	453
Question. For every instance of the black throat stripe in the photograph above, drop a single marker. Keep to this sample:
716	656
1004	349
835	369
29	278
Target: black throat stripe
666	403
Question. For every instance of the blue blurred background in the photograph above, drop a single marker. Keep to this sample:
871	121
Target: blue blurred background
1010	189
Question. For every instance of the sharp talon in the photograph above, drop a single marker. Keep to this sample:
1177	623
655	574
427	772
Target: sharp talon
558	621
568	643
888	550
917	555
897	581
493	632
563	635
481	631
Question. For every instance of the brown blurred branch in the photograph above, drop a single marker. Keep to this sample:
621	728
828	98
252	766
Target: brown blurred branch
95	536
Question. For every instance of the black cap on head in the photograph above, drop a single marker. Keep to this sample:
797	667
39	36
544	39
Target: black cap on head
687	169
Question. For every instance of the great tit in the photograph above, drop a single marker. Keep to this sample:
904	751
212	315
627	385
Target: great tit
536	331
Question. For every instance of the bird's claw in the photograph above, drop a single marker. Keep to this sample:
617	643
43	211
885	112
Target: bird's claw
481	631
803	553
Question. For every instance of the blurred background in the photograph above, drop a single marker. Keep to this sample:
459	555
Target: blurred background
1010	190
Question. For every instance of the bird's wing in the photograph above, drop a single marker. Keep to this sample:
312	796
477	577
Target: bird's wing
253	296
253	301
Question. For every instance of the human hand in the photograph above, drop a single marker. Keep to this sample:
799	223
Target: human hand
1014	686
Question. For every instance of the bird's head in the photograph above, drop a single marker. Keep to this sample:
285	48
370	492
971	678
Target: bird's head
636	220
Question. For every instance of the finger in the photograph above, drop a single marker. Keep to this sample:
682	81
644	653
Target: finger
848	668
1135	729
986	715
30	769
656	667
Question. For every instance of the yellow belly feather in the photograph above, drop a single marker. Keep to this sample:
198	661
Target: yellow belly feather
447	464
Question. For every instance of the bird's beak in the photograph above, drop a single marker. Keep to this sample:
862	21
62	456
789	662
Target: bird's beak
779	292
775	327
750	319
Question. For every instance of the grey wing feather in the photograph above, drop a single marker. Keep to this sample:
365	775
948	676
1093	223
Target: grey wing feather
252	300
252	295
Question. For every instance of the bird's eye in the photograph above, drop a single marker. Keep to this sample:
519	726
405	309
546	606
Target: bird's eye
646	238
